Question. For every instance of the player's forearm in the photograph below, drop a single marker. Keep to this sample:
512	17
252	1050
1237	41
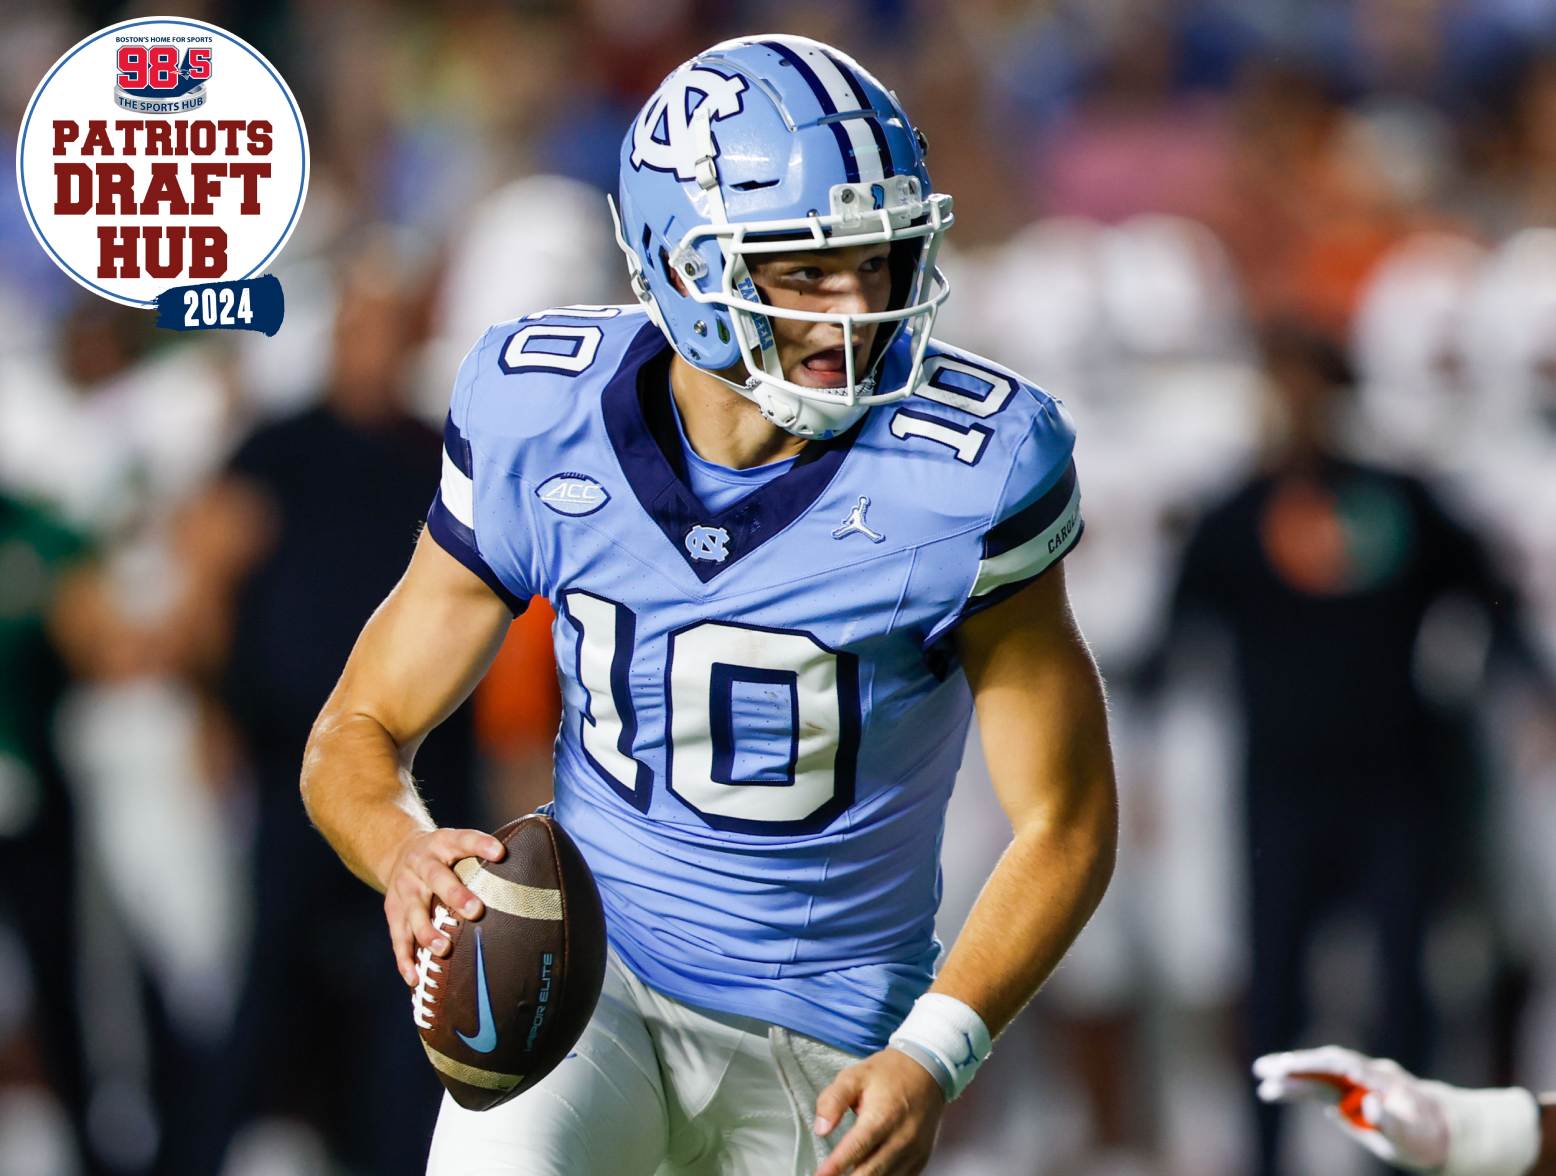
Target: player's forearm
359	794
1044	888
1043	719
418	657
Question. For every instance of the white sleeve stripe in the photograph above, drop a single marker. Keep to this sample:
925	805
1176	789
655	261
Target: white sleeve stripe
1037	553
866	153
458	492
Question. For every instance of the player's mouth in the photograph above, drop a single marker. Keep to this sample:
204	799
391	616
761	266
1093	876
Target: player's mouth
826	369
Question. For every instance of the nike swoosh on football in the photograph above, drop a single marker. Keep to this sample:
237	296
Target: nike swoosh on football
485	1039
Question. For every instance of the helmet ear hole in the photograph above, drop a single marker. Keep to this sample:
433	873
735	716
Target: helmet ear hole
677	282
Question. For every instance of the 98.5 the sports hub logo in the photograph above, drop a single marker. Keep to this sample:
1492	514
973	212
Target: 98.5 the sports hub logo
163	163
154	80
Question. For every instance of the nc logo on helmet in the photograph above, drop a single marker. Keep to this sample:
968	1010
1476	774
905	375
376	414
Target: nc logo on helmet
662	138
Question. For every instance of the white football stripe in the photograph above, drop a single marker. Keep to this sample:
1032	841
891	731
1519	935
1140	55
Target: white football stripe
866	152
458	492
511	898
1021	563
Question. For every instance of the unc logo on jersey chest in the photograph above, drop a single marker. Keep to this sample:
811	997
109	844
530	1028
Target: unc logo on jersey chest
710	543
572	494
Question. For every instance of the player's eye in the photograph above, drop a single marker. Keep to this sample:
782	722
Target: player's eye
805	273
873	265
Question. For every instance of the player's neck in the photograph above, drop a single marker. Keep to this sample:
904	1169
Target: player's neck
724	427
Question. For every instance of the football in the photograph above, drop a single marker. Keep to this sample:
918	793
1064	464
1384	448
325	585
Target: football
519	984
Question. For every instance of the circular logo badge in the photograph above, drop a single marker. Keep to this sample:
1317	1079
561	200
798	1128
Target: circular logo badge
160	153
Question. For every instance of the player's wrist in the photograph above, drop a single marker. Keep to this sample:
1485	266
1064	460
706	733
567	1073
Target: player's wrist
947	1037
395	848
1490	1132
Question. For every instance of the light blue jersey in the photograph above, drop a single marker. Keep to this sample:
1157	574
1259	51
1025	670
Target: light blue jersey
762	711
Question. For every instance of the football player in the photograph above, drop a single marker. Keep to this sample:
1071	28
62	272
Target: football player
791	541
1413	1124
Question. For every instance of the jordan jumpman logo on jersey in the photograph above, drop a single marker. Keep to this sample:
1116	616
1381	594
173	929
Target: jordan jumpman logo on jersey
855	523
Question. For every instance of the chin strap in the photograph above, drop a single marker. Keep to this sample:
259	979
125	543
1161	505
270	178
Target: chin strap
816	419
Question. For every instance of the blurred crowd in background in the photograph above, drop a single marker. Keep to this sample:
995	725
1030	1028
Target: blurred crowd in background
1291	264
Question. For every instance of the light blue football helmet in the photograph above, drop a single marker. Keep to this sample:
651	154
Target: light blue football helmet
768	145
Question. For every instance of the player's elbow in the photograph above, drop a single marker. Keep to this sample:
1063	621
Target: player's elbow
1088	841
316	756
1093	799
1080	827
334	741
1094	821
1104	855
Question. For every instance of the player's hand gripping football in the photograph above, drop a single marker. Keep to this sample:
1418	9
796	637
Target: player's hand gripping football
420	876
1390	1112
897	1107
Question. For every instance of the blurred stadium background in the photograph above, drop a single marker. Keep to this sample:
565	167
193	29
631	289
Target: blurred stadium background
1279	244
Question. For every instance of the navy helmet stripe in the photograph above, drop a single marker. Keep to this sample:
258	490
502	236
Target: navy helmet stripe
850	79
854	119
845	145
873	120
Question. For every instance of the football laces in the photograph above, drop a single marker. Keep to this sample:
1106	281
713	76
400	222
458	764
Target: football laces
427	967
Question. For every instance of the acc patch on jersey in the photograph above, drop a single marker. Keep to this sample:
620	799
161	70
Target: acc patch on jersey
572	494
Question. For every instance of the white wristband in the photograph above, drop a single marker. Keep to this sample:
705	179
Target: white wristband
947	1038
1490	1132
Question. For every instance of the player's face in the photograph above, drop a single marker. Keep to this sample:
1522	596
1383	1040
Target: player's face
856	280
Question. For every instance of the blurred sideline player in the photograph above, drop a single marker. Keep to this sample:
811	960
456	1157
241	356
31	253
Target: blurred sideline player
1416	1125
788	552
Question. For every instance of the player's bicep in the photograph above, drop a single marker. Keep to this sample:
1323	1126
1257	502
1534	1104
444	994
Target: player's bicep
424	649
1040	707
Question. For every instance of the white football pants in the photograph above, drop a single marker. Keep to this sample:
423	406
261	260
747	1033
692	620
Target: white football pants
655	1086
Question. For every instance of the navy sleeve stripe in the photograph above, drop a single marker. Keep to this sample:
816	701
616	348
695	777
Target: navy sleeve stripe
1033	519
976	604
1030	558
457	448
459	541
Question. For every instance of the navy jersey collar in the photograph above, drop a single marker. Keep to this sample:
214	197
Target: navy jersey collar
649	450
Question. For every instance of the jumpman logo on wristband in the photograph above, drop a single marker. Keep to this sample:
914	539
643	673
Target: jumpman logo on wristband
972	1054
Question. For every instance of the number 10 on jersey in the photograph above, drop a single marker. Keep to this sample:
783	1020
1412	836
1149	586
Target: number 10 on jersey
761	725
